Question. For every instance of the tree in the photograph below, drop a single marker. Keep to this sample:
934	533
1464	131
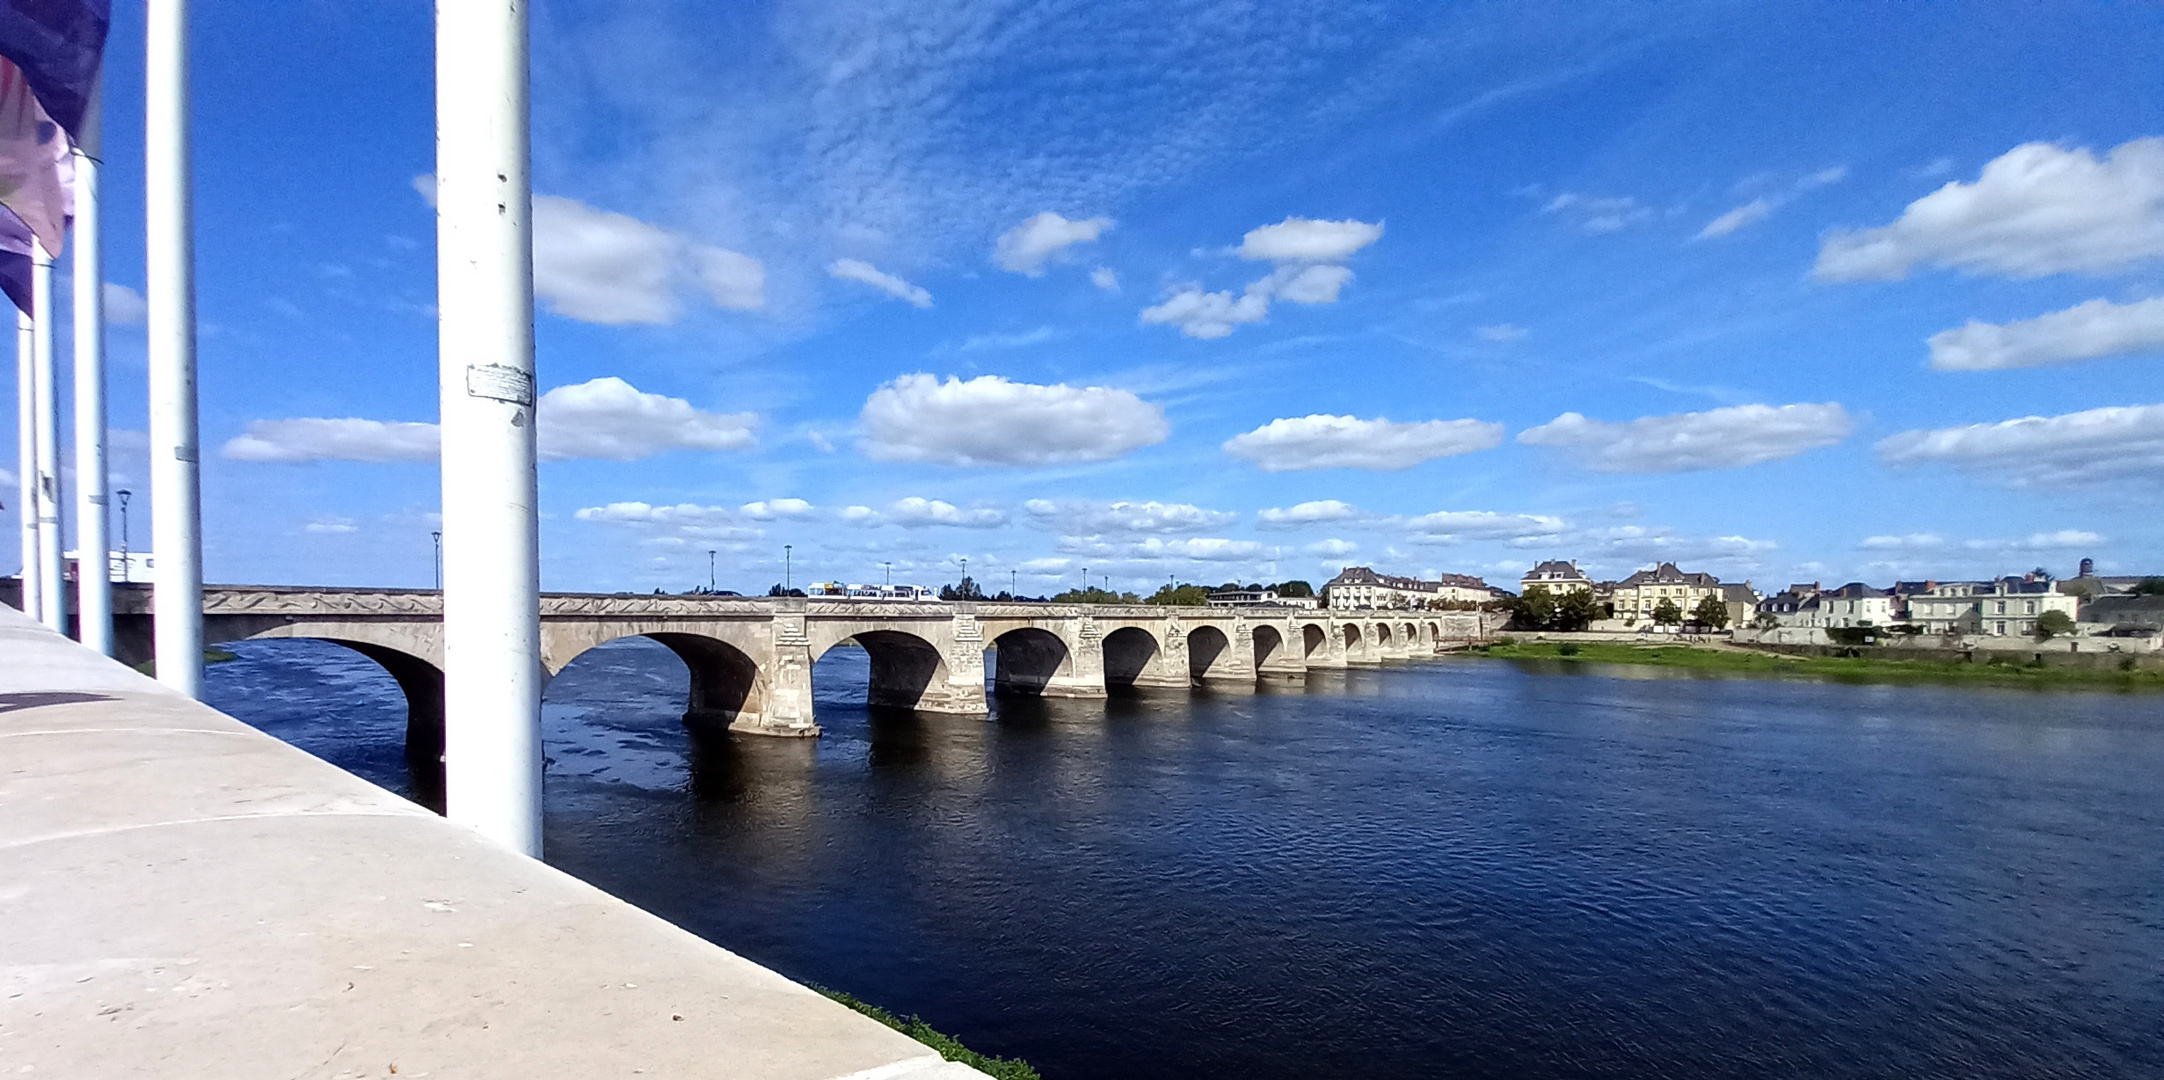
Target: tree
1711	611
1535	608
1179	596
1295	589
965	589
2149	586
2053	623
777	590
1095	595
1576	610
1666	613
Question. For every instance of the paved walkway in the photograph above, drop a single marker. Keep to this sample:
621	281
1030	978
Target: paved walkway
183	896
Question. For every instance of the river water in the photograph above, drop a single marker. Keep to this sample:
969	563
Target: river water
1468	868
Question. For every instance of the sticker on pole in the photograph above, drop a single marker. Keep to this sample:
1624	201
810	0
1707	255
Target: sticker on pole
500	383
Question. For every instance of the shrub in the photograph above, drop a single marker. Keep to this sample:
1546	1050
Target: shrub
1568	648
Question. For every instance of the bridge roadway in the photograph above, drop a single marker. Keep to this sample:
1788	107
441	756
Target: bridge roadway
183	896
751	659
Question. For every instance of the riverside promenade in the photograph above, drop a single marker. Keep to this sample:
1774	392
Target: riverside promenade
181	895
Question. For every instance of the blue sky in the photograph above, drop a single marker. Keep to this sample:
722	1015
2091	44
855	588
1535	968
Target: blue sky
1208	290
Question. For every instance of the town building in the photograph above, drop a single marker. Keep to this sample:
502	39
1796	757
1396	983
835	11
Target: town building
1856	604
1361	588
1557	576
2003	607
1246	598
1639	595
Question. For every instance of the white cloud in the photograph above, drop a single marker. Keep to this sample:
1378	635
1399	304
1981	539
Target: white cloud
610	419
1737	218
1209	315
2122	442
1449	526
1718	439
1345	442
732	280
1104	277
606	418
1501	333
1307	513
772	509
1762	207
1025	248
330	526
1306	252
1204	549
859	270
1640	545
668	525
1597	213
124	306
2082	332
347	439
603	267
7	478
1313	284
1298	239
991	421
1080	518
1904	542
2037	209
916	513
1332	547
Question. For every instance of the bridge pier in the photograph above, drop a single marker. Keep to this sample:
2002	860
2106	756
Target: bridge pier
1278	652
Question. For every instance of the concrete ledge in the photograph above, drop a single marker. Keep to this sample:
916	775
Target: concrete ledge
181	895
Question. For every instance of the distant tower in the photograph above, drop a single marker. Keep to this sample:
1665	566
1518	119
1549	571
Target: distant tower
2088	568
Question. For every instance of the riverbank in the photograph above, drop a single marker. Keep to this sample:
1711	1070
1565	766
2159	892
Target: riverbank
1748	663
947	1045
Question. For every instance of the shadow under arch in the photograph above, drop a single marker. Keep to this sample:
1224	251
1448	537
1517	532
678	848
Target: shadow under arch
1312	640
1355	642
1207	647
1268	644
421	683
1027	660
904	667
726	684
1129	652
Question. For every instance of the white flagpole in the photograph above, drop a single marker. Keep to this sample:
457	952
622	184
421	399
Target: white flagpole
26	463
176	518
52	591
491	542
93	568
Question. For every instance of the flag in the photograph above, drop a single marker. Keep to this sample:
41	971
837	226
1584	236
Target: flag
59	45
15	259
36	172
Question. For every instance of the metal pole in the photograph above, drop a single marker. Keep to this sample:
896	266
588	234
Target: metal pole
709	570
788	564
127	560
491	532
52	587
437	537
93	526
26	463
176	512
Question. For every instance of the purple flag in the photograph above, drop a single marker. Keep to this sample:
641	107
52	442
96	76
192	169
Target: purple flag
36	171
15	259
58	45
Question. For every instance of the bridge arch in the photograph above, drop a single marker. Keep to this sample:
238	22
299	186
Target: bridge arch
726	685
1356	643
1269	645
1028	660
1313	640
910	672
1209	653
1131	656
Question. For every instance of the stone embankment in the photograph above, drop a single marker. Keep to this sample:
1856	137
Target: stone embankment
181	895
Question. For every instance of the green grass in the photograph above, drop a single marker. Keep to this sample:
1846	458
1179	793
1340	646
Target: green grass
915	1028
2005	672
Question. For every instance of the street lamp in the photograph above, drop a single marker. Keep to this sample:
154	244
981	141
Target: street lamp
788	567
709	569
437	535
127	566
890	573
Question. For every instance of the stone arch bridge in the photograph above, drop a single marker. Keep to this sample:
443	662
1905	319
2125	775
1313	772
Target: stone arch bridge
751	659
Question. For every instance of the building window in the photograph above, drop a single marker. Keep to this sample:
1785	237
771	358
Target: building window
2031	608
2001	631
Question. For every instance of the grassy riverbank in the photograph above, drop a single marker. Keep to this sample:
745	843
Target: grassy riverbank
998	1068
1748	664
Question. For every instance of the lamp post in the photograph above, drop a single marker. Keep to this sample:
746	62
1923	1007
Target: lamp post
788	567
709	570
1014	582
437	536
889	567
127	564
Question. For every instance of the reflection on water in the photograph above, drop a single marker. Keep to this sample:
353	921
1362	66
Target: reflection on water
1463	869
